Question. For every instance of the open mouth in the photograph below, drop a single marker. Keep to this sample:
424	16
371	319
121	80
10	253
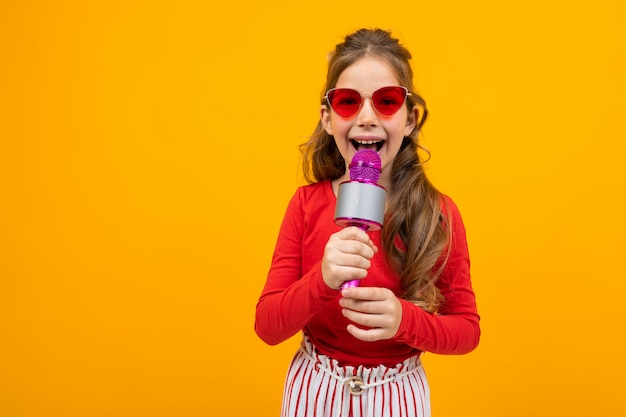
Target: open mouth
375	145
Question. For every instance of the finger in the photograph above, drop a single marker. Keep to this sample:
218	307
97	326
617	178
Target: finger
378	321
361	318
352	246
368	307
367	335
342	251
348	273
354	233
350	260
374	247
367	293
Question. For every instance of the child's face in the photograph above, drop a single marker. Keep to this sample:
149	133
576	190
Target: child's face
368	128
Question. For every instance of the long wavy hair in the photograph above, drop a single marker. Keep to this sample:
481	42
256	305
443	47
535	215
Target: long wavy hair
416	232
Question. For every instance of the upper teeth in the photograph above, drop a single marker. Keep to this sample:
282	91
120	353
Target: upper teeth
367	142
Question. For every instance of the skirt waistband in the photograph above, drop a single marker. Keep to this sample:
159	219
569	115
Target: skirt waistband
360	378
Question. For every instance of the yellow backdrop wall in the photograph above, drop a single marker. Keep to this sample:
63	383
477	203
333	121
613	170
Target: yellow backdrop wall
148	150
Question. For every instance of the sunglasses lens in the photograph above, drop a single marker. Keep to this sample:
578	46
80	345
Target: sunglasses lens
344	101
388	100
347	102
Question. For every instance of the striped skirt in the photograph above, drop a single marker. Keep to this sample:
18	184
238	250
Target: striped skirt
316	386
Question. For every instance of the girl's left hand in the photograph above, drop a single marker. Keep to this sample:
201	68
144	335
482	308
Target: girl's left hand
378	309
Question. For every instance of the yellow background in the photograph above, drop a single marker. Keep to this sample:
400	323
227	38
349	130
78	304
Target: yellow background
148	150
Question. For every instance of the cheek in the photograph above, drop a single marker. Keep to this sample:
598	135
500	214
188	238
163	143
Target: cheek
399	128
338	127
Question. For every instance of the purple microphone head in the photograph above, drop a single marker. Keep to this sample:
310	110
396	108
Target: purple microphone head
365	166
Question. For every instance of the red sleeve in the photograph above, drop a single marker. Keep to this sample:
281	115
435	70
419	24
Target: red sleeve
455	328
289	300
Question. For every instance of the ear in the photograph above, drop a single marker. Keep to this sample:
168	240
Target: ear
325	119
411	120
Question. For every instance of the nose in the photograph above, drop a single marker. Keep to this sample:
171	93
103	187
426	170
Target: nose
367	115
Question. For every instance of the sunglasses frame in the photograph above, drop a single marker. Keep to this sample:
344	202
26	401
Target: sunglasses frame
363	96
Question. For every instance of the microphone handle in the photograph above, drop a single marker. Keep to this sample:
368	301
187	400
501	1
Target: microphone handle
355	282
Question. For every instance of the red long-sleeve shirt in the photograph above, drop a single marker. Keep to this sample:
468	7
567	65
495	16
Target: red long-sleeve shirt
295	296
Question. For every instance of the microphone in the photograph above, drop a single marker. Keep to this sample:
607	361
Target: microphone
361	201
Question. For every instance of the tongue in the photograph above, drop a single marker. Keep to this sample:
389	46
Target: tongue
362	146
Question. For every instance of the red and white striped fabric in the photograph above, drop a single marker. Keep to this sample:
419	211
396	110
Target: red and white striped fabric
316	386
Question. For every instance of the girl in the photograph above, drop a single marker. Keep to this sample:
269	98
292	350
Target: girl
361	347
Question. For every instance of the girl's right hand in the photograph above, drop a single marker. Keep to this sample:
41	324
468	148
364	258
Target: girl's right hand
347	256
